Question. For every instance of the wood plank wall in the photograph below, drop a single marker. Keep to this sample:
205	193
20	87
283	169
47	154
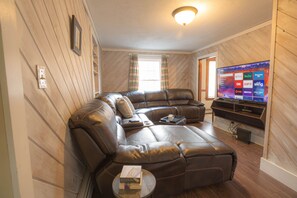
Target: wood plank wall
44	29
282	132
115	66
250	47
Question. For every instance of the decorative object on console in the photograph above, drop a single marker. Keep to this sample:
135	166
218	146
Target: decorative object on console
184	15
76	36
175	120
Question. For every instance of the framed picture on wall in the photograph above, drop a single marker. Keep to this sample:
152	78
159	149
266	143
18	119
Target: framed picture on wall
76	32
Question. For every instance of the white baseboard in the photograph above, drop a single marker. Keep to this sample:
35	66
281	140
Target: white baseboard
278	173
257	140
86	188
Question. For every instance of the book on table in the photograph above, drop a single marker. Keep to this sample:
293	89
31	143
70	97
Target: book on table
131	185
131	177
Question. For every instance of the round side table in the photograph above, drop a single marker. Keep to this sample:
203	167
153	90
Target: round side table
147	188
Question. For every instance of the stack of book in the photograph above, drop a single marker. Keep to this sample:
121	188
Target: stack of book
131	178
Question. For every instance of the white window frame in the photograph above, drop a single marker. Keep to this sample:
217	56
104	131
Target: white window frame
148	58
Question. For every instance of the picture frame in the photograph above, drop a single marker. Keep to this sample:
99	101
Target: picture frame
76	35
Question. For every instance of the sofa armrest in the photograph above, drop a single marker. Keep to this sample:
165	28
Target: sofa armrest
147	153
196	103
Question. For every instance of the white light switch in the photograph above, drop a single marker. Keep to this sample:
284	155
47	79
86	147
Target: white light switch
41	77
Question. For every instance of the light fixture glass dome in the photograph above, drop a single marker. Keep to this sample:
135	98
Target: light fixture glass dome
184	15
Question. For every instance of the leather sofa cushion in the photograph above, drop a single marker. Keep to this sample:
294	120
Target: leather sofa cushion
179	94
137	98
190	112
156	98
155	152
178	102
157	103
191	149
98	120
140	136
175	134
191	140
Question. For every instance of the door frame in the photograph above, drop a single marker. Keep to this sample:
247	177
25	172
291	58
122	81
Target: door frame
197	76
17	181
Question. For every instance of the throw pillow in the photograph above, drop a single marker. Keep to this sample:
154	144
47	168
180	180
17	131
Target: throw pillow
124	108
129	103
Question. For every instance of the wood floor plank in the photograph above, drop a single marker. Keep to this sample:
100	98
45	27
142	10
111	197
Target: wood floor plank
248	181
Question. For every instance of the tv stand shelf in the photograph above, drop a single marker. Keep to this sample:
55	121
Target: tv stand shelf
253	114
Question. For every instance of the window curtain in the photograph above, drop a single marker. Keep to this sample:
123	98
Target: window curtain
133	73
164	73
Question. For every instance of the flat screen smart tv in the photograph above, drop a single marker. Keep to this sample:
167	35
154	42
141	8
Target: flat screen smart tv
244	82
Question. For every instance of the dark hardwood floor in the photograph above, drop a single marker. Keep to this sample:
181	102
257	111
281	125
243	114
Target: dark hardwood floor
248	181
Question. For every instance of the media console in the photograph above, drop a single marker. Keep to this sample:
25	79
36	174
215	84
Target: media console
249	113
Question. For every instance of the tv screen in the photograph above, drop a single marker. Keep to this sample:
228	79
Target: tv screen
244	82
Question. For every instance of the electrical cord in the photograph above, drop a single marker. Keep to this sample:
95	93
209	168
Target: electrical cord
233	128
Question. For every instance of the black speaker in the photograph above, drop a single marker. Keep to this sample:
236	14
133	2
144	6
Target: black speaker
243	135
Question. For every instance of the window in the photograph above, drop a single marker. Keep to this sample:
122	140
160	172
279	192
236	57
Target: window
149	73
211	78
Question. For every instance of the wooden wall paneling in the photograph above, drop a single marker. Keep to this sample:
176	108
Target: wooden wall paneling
39	8
47	112
73	67
48	166
281	143
86	37
250	47
32	56
178	71
288	7
45	30
115	69
62	13
45	190
42	43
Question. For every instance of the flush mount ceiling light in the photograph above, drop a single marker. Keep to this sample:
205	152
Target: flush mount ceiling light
184	15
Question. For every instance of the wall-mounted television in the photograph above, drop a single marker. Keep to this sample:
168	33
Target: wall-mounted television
244	82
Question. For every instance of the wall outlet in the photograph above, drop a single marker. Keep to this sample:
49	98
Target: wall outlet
41	77
42	84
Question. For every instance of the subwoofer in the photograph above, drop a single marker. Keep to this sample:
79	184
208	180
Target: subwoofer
243	135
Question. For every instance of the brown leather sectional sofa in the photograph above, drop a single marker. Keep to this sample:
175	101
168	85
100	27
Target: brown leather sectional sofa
153	105
180	157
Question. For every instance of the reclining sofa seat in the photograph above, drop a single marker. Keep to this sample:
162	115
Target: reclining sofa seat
180	157
157	104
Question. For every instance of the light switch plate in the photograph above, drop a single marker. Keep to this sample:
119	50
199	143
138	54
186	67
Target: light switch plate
41	77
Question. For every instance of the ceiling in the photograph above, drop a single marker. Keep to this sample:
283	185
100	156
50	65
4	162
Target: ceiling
149	25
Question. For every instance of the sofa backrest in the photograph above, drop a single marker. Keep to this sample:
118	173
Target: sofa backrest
179	96
110	98
156	98
141	99
137	98
97	119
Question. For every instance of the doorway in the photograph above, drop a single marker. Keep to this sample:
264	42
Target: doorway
207	81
